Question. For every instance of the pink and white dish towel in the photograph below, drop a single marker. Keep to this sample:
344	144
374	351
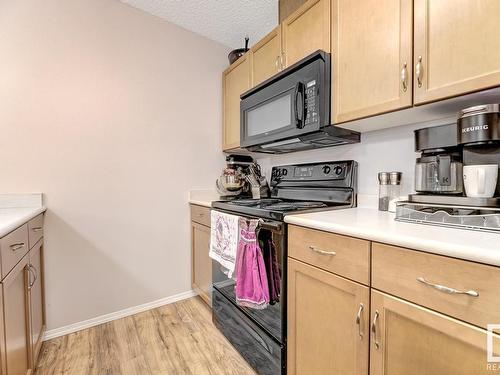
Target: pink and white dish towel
252	289
224	239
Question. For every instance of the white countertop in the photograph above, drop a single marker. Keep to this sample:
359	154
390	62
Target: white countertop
203	197
17	209
373	225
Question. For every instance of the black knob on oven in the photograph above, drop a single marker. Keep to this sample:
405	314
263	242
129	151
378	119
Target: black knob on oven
285	172
327	169
338	170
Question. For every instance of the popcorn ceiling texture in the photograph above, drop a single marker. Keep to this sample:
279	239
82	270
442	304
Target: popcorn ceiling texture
225	21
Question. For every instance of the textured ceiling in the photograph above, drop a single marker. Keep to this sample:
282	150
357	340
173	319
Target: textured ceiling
225	21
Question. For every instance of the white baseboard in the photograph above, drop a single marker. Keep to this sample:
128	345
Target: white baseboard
61	331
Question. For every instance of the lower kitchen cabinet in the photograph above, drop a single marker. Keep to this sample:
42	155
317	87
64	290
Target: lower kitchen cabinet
15	311
36	318
22	307
408	339
327	322
201	278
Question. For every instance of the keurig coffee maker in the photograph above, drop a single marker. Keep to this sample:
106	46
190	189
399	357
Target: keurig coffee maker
456	176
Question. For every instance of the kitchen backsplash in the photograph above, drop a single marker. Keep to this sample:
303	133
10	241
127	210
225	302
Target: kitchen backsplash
384	150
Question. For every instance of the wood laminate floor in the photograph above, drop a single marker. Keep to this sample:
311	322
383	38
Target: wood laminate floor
174	339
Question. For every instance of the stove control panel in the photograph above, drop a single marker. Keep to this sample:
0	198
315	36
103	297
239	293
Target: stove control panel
330	171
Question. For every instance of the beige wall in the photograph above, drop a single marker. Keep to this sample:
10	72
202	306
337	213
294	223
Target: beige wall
114	115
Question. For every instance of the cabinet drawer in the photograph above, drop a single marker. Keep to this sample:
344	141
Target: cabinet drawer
436	281
35	230
13	247
345	256
200	215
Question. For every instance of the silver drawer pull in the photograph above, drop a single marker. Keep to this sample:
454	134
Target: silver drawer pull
37	229
322	252
446	289
17	246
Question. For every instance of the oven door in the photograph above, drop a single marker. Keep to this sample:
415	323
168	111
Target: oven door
292	104
272	319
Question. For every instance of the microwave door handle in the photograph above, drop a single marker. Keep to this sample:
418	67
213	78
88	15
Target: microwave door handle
299	117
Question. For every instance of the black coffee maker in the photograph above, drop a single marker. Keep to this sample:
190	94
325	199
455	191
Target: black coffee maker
479	135
474	140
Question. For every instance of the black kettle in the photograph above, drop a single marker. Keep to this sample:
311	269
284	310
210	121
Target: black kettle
235	54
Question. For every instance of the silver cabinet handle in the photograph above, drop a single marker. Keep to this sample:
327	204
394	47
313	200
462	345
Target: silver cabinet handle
358	320
404	77
37	229
277	63
17	246
446	289
31	271
419	70
374	330
283	60
322	252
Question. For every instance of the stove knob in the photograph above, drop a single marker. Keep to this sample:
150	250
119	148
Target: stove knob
285	172
327	169
338	170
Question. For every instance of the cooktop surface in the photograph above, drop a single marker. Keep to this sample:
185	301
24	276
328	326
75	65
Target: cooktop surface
273	208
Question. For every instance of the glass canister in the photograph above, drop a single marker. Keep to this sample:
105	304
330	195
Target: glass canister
389	188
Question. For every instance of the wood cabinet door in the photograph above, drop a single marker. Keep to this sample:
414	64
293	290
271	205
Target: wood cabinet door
15	317
36	300
265	57
236	80
371	57
456	45
412	340
202	264
325	335
305	31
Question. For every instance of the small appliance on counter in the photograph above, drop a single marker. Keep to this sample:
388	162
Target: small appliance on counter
456	178
242	178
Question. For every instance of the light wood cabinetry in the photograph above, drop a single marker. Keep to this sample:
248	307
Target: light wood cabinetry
325	334
371	57
287	7
305	31
15	311
346	256
456	47
411	340
428	314
419	277
235	81
22	307
265	57
200	246
36	300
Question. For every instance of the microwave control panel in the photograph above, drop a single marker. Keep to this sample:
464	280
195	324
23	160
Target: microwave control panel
310	102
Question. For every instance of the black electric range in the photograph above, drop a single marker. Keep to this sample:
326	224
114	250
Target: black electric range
260	335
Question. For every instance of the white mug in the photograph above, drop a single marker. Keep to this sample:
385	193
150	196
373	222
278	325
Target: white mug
480	181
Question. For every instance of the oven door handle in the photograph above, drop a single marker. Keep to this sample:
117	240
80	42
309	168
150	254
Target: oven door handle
274	226
299	117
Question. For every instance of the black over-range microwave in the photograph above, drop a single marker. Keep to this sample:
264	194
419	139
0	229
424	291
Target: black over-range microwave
291	111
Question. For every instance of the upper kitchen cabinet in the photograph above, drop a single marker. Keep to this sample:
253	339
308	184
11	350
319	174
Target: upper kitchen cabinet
456	47
305	31
371	57
266	57
235	80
